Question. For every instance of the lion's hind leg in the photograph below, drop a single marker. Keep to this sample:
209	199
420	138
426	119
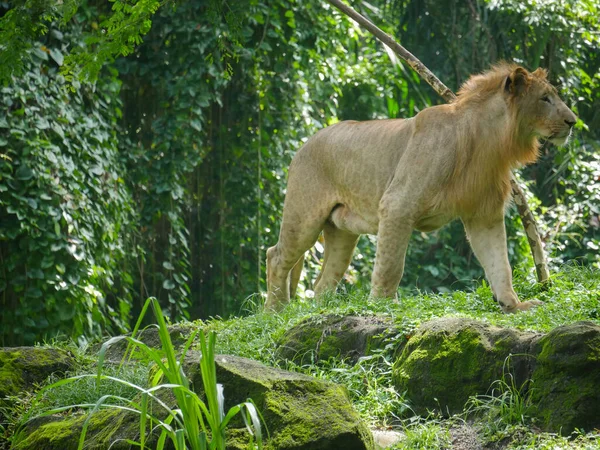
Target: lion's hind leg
296	237
339	247
295	276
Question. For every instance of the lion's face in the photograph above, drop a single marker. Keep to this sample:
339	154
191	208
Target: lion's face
539	105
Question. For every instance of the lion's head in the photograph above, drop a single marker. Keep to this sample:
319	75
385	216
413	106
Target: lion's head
541	110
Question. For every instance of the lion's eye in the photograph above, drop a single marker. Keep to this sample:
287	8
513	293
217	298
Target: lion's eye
546	99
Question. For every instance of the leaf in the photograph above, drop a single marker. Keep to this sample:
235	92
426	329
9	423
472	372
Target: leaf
168	284
57	56
57	35
196	125
33	293
24	173
38	52
36	273
97	170
167	265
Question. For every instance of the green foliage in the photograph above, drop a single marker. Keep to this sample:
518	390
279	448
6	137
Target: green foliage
65	209
21	27
428	434
213	104
117	34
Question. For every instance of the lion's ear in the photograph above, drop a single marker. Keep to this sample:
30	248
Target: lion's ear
517	82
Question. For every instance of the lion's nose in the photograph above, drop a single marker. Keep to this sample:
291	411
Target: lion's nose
570	123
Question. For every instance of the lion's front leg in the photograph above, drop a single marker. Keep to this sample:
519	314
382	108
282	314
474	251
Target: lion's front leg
392	242
488	241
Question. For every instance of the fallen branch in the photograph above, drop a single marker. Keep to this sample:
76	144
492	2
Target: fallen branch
529	223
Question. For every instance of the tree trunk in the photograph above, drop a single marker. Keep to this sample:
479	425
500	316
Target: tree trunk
529	223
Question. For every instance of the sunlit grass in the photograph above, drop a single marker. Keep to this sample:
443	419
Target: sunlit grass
501	416
573	295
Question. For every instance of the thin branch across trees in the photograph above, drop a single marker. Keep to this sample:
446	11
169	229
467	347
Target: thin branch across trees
529	223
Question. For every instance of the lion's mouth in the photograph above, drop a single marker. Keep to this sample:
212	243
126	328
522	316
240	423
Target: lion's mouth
560	138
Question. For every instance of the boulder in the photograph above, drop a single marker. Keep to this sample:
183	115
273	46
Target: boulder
450	359
566	380
108	428
21	368
179	334
320	338
301	412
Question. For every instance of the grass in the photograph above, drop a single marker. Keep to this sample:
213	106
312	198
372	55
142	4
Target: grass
500	418
425	435
574	295
503	415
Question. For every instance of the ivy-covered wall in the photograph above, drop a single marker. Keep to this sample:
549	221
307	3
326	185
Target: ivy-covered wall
66	211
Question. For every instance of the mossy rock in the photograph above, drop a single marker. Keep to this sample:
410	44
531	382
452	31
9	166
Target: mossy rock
23	367
108	428
321	338
300	412
566	380
448	360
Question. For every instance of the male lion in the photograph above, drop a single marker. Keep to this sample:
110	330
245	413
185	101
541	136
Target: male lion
388	177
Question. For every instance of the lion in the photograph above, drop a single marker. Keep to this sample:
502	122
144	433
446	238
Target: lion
389	177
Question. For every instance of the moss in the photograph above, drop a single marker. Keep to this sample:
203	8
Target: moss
567	377
449	360
11	380
23	367
313	416
301	412
107	429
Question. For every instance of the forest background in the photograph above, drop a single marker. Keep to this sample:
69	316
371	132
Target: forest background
144	145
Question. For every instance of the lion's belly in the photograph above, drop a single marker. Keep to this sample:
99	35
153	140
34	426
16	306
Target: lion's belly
434	222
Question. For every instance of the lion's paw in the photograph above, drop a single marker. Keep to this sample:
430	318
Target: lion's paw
529	304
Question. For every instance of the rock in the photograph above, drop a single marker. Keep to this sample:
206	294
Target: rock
108	428
566	381
320	338
300	411
448	360
386	438
23	367
465	437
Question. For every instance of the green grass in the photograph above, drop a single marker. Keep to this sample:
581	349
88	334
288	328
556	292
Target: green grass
420	435
503	417
573	295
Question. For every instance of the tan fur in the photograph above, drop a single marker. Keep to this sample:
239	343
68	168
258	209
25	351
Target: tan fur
389	177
